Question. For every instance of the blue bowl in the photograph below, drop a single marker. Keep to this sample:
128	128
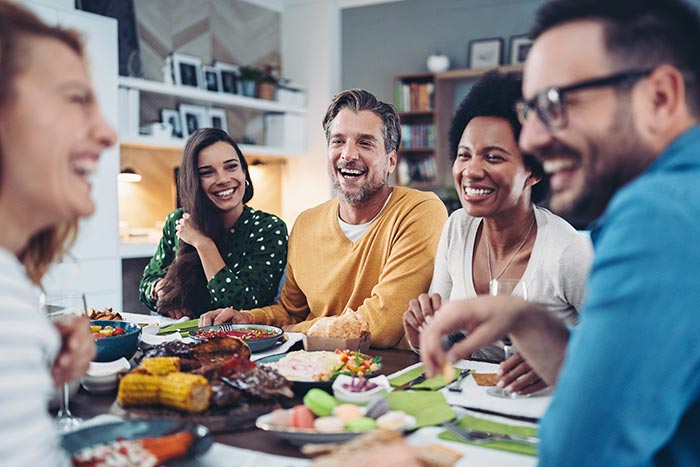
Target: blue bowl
115	347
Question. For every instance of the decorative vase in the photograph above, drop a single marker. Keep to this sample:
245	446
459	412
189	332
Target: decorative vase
437	63
266	91
247	87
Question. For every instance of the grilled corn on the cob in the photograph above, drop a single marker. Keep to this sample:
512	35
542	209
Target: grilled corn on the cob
138	389
161	366
186	392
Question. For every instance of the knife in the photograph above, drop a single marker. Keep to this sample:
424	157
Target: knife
418	379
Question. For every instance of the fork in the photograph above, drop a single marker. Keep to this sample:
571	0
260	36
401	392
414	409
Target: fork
226	327
485	436
456	386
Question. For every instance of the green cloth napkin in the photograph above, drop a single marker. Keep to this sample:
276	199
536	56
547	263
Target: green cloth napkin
430	384
185	324
428	408
479	424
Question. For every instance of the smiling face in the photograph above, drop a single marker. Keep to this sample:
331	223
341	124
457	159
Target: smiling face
51	135
489	172
600	149
358	164
222	178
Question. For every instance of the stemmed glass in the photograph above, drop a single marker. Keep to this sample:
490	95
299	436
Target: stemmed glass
517	288
59	306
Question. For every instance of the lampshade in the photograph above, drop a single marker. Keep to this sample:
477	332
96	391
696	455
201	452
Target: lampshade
129	175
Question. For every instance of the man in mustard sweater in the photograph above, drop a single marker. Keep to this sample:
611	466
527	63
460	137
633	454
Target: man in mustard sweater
370	249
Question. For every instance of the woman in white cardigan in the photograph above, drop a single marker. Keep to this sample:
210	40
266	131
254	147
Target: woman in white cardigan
499	233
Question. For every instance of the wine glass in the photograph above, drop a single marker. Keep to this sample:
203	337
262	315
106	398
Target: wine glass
514	287
62	305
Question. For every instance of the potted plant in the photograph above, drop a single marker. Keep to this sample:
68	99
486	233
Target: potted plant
248	77
267	83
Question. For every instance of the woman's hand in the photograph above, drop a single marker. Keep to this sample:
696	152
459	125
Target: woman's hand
77	349
176	314
189	233
518	377
225	315
420	312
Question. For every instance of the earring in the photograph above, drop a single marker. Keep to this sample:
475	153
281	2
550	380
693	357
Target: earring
247	183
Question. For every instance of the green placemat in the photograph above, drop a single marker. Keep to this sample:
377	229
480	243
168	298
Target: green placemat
428	408
192	323
430	384
479	424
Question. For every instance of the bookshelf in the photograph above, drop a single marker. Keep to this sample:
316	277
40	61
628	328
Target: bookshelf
425	164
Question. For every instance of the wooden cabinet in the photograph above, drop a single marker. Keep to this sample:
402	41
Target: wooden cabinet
426	163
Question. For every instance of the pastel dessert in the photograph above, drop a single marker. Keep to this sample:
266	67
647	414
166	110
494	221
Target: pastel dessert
377	407
281	417
329	424
320	402
347	412
392	421
302	417
361	424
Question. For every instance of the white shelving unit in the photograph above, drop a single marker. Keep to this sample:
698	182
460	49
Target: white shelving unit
289	138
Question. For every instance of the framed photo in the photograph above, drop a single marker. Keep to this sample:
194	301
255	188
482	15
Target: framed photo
211	78
187	70
193	118
485	53
173	117
229	76
519	47
217	118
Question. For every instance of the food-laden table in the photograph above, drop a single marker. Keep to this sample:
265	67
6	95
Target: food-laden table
87	405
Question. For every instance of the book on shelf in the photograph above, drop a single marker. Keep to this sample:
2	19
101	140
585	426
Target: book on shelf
421	170
418	135
414	96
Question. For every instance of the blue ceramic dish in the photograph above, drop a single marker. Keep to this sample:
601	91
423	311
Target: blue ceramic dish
115	347
256	345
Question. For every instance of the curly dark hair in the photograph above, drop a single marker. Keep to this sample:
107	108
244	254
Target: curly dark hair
185	285
494	95
638	34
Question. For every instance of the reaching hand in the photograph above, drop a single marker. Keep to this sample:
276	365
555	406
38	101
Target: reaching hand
518	377
420	312
176	314
225	315
77	349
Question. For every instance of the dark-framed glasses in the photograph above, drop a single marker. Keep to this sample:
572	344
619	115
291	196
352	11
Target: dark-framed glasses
550	103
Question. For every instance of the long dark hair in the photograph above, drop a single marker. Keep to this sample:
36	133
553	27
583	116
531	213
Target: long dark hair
185	286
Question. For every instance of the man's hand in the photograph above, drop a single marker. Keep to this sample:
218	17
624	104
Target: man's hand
420	312
225	315
77	349
517	376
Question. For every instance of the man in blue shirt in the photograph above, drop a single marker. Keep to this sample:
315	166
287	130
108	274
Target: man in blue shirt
611	105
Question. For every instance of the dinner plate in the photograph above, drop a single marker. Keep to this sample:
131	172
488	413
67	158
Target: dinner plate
90	436
301	436
255	344
302	385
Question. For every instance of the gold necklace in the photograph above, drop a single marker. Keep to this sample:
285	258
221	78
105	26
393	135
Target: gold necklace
488	252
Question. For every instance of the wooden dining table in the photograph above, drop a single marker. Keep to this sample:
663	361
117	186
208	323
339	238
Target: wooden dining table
88	405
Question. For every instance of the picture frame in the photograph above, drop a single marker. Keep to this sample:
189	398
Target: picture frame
229	76
485	53
193	117
217	118
173	117
211	78
187	70
519	48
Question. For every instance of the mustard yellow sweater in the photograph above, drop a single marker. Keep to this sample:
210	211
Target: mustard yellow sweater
390	264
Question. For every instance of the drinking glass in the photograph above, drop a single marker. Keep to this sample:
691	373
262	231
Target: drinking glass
59	306
517	288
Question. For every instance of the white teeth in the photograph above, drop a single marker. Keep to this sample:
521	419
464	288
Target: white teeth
477	191
84	167
225	193
554	165
351	172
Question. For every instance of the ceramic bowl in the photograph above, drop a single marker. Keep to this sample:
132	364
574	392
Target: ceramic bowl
359	397
115	347
103	377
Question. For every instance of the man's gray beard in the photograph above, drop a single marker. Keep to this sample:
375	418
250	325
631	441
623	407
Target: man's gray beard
366	193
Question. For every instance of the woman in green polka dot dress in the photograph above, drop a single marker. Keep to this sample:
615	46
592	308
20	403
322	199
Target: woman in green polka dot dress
215	251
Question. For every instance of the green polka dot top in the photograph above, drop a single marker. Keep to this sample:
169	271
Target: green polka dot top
254	264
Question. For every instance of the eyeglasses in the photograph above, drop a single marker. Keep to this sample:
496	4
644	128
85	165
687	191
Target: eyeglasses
550	104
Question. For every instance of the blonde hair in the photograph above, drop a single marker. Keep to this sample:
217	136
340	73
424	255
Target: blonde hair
17	24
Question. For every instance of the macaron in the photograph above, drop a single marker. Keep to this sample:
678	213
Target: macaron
329	424
347	412
377	407
302	417
281	417
361	424
320	402
394	420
